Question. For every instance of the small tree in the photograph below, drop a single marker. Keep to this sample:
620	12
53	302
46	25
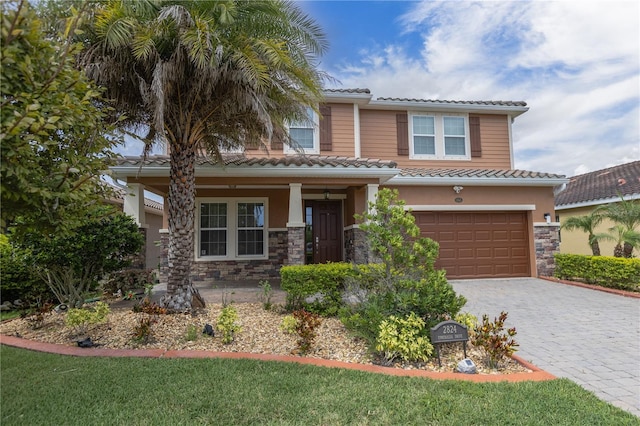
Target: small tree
72	264
408	283
587	224
54	144
626	215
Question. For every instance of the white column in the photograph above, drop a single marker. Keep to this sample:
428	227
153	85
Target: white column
295	206
372	193
134	203
356	131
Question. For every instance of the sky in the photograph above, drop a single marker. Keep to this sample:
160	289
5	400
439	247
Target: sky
575	63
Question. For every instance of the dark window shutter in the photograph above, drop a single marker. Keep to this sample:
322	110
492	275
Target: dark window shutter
402	125
325	129
474	136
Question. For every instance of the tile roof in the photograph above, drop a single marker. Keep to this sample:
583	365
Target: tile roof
364	91
288	161
495	103
605	184
477	173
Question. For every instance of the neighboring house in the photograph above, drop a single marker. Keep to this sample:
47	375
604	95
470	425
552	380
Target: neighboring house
149	217
451	161
585	192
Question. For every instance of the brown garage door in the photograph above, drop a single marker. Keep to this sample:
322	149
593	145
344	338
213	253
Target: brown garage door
479	245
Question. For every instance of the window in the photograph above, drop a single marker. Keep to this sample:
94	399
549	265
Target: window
305	134
438	136
232	229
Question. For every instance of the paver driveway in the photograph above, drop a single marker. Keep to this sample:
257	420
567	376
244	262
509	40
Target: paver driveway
588	336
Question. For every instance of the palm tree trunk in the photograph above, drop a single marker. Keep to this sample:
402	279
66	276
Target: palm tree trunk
595	248
617	250
627	250
181	294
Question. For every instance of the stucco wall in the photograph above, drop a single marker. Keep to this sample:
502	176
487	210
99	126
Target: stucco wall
577	242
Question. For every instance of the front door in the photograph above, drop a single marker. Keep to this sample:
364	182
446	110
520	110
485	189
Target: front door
326	232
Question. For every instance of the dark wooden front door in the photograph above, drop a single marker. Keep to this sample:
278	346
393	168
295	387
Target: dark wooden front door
327	231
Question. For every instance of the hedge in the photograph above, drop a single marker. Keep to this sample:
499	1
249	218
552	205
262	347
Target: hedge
325	282
606	271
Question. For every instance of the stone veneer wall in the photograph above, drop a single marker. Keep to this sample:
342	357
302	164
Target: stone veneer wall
547	243
295	246
356	246
232	270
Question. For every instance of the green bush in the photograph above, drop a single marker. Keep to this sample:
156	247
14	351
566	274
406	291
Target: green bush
80	318
406	282
227	324
613	272
403	338
17	278
127	279
326	280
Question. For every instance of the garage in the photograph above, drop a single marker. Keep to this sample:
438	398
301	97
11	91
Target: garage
479	244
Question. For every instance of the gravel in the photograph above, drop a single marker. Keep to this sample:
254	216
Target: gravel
260	334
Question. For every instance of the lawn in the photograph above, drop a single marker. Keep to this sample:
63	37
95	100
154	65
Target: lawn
43	389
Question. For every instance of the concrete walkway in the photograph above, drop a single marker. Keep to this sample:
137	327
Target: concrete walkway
588	336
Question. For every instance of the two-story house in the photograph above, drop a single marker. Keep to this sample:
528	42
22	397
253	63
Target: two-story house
451	161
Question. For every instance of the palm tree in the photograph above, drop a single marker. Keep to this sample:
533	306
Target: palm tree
201	76
625	213
623	237
587	224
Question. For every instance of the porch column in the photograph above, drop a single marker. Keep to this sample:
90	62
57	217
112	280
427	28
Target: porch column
372	193
295	226
133	203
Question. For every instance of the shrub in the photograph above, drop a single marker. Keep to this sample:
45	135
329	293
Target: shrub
265	295
227	324
406	282
403	338
72	264
305	328
288	324
17	278
81	318
606	271
496	342
143	330
468	320
150	308
324	280
125	280
192	333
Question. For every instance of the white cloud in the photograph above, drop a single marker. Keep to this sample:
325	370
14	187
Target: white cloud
577	64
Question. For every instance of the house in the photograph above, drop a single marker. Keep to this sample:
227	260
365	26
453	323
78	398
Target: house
583	193
451	161
149	217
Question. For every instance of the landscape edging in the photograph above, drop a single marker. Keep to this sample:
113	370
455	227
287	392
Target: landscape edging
536	373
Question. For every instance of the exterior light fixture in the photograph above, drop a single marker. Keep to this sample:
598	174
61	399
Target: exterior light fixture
547	217
326	194
458	188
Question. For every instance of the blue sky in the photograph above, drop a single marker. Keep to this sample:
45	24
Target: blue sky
575	63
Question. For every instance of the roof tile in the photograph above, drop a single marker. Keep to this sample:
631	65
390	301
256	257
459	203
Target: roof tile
477	173
602	184
498	103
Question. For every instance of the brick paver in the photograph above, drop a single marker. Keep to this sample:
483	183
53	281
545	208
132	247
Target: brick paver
588	336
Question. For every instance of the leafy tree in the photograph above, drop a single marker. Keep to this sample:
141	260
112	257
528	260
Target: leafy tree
54	146
587	224
626	214
72	264
408	284
202	76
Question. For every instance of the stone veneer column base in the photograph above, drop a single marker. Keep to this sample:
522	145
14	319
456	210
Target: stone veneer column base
295	246
547	243
357	246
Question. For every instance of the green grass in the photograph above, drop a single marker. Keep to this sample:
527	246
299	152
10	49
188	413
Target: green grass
9	315
45	389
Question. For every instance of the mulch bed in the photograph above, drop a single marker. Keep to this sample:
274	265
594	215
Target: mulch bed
260	334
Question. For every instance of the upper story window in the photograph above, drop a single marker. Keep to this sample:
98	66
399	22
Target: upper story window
232	229
305	134
439	136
